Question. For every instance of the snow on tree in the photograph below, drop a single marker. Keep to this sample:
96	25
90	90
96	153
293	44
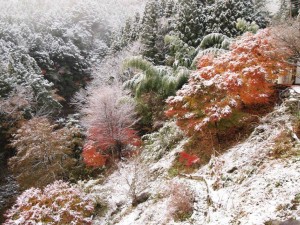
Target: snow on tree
19	71
179	53
44	153
108	117
222	85
212	44
150	28
222	16
151	85
57	203
189	25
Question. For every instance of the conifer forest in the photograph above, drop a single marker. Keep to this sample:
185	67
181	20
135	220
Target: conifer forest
150	112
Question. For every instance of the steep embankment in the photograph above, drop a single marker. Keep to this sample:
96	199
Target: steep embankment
253	183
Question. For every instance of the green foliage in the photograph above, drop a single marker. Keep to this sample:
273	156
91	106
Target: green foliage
179	53
224	15
150	29
159	143
215	40
163	81
245	26
190	26
214	44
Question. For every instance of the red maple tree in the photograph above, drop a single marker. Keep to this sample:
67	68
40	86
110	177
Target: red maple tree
223	85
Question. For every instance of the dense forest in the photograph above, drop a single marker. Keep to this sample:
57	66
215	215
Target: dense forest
140	96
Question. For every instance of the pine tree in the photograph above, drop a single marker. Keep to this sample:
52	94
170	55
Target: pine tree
150	28
169	9
190	27
222	16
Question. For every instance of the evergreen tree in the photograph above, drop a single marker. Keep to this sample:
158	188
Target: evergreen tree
224	14
190	27
169	9
150	28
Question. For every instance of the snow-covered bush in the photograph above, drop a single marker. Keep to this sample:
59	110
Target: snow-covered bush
58	203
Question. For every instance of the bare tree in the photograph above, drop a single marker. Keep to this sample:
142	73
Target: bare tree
287	36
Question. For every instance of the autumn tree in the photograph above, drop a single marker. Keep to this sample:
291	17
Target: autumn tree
108	117
222	86
44	153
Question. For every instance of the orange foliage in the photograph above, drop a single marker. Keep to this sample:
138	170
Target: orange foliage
221	86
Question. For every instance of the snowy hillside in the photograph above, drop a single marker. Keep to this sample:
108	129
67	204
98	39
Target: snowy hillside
253	183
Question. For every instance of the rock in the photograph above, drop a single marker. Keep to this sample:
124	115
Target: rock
140	199
232	169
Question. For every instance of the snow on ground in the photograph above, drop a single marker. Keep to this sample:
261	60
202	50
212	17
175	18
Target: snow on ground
273	6
245	186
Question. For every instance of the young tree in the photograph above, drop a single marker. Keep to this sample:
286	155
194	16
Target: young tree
109	116
44	153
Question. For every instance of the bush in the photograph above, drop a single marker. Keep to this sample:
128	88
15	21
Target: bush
159	143
181	202
59	203
283	145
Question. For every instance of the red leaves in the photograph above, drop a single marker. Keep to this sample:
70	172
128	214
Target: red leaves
188	159
93	158
102	143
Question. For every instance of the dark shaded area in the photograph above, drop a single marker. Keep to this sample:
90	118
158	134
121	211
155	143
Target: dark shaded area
8	185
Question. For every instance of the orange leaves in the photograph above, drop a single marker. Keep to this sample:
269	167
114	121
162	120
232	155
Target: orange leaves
242	76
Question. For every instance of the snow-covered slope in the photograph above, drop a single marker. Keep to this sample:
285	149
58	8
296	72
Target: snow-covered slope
252	183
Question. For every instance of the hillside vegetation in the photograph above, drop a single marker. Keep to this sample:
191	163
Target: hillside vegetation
149	112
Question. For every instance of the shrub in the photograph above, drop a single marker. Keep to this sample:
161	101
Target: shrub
223	87
59	203
159	143
181	202
283	145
